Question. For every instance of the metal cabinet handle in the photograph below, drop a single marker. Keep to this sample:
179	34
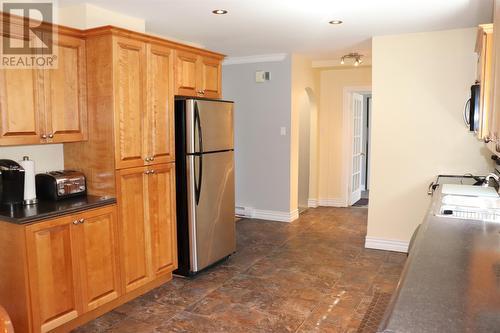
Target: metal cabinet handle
201	92
147	172
151	158
75	222
81	221
43	136
147	159
152	171
51	136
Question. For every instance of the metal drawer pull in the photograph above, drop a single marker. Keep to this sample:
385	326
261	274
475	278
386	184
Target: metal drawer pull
75	222
81	221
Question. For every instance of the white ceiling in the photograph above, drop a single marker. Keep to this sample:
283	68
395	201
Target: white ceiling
255	27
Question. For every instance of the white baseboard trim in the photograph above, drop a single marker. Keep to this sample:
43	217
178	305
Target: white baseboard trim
273	215
312	203
270	215
386	244
332	202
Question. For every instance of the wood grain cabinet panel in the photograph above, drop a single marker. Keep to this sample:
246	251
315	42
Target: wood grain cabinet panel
65	92
161	191
210	77
52	265
98	257
186	73
197	75
134	227
21	120
160	106
130	109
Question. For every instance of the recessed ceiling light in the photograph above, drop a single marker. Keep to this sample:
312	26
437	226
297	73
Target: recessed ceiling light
219	11
336	22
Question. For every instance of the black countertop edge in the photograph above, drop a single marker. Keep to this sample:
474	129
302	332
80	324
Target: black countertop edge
46	209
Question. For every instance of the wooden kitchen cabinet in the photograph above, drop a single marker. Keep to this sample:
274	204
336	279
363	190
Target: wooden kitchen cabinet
210	77
162	219
146	197
72	266
130	109
53	273
21	117
134	226
46	105
160	104
65	93
493	139
98	257
197	75
143	103
484	50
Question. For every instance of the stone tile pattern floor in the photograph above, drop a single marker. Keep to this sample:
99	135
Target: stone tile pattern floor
312	275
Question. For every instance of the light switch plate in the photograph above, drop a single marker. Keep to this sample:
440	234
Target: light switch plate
283	131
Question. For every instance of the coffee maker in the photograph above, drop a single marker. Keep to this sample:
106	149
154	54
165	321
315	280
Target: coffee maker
11	183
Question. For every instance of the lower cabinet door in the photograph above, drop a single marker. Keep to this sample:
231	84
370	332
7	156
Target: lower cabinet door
133	227
98	256
161	195
53	274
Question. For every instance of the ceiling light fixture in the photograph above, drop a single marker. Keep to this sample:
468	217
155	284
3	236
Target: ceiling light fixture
335	22
358	58
219	11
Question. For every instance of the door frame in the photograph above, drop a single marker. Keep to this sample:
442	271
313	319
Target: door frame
347	137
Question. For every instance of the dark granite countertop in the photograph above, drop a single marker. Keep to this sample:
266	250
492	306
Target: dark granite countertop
451	281
46	209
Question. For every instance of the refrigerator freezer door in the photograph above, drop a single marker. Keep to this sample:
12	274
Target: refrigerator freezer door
212	222
214	120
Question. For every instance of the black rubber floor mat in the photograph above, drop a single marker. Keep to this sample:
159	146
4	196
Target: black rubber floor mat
361	203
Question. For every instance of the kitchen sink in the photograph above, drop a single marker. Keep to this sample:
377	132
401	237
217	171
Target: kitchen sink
470	208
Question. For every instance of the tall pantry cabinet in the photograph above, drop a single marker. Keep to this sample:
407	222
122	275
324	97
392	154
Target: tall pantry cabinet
130	151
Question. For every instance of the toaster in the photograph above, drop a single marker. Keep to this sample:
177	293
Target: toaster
58	185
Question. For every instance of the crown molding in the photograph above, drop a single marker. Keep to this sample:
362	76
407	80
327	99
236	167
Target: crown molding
274	57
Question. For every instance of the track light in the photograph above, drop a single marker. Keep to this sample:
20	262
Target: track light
356	56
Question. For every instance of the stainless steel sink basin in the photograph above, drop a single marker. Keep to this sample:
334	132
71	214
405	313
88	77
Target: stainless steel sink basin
470	208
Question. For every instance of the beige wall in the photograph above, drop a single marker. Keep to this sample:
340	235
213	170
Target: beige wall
305	94
46	157
331	161
420	84
85	16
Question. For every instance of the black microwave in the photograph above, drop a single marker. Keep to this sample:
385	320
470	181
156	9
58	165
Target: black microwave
472	109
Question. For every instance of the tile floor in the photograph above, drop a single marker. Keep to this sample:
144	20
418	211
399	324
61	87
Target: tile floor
312	275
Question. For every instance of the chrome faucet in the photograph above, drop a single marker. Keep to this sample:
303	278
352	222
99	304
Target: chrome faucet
488	177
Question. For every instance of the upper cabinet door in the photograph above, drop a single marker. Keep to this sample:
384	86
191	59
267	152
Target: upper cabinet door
21	120
160	104
186	73
65	92
129	61
52	272
161	192
210	77
98	256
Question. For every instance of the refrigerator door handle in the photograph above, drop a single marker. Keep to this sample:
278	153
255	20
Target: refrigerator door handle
200	156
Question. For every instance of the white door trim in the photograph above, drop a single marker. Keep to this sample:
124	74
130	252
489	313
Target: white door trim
347	139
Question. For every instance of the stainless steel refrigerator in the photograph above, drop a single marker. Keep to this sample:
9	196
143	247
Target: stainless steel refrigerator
205	183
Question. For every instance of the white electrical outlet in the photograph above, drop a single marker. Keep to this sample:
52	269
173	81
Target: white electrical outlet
282	131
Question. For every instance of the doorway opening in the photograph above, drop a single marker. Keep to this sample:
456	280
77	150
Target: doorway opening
306	112
357	112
